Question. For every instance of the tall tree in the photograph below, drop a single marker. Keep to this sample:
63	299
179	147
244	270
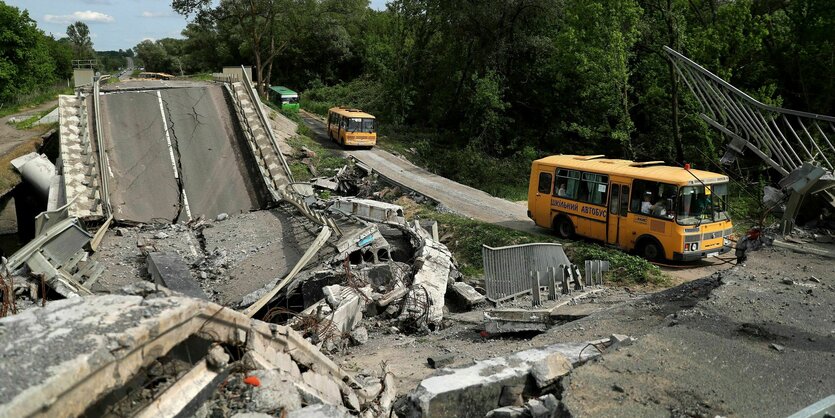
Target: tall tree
256	18
25	62
79	35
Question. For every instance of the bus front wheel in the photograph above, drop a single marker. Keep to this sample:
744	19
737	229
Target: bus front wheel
651	250
564	227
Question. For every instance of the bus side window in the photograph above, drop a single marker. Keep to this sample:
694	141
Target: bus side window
614	204
570	179
624	201
544	183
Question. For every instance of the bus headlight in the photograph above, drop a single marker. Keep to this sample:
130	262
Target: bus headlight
693	246
726	242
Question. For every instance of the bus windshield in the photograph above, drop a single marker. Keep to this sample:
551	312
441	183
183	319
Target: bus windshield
698	204
361	125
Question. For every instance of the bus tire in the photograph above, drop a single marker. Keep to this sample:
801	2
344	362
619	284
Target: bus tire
563	227
651	249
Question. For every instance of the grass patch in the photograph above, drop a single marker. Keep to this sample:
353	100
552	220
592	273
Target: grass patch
9	177
112	80
135	73
326	161
37	100
199	77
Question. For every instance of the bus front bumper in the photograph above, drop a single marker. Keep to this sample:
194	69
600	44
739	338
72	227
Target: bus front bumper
698	255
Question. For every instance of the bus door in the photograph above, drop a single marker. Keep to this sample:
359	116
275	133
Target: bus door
616	222
542	204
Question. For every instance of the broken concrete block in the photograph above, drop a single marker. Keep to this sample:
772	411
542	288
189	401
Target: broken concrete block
473	391
359	336
507	412
217	358
268	359
512	395
619	340
537	409
319	411
551	368
277	392
252	415
170	270
325	385
551	403
441	360
467	294
333	294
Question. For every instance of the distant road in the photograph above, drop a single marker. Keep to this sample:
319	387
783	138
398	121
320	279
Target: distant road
459	198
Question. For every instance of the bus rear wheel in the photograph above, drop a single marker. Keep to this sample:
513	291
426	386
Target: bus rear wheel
651	250
564	228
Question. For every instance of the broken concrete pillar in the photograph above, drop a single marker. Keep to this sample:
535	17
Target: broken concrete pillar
425	299
536	299
552	283
566	273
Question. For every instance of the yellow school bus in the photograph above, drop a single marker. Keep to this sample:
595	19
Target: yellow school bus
352	127
653	209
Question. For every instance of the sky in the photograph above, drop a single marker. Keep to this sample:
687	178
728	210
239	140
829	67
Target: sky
114	24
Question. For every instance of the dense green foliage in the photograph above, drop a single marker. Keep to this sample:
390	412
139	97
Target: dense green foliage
30	61
502	79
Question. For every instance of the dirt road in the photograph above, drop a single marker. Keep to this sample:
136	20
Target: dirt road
457	197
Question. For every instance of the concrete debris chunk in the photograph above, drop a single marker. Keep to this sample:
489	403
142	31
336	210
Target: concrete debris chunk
221	217
537	409
619	340
425	300
440	360
551	368
170	270
475	390
359	336
325	386
467	294
319	411
276	392
507	412
217	358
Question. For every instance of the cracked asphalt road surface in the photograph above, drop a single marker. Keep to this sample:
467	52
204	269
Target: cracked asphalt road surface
207	169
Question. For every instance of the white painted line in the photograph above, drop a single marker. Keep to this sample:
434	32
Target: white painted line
185	203
168	137
171	153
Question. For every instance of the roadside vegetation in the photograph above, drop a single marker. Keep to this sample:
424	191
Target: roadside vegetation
9	177
29	122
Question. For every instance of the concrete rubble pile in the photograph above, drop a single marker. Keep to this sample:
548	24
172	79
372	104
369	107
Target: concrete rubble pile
526	384
150	352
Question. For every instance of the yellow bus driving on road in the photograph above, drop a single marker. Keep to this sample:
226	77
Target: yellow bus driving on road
659	211
352	127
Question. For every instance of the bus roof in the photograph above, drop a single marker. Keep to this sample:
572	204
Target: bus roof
651	170
283	90
351	113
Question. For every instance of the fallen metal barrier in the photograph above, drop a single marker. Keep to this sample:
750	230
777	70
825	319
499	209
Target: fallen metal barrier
507	269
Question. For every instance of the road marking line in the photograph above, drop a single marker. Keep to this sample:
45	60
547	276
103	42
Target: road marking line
171	153
168	137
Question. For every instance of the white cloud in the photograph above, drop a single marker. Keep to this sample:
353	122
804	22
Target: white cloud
98	2
156	14
85	16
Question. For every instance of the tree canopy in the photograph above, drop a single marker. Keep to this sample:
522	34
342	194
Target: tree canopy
505	76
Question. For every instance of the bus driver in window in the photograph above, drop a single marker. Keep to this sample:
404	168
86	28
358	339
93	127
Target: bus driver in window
561	190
